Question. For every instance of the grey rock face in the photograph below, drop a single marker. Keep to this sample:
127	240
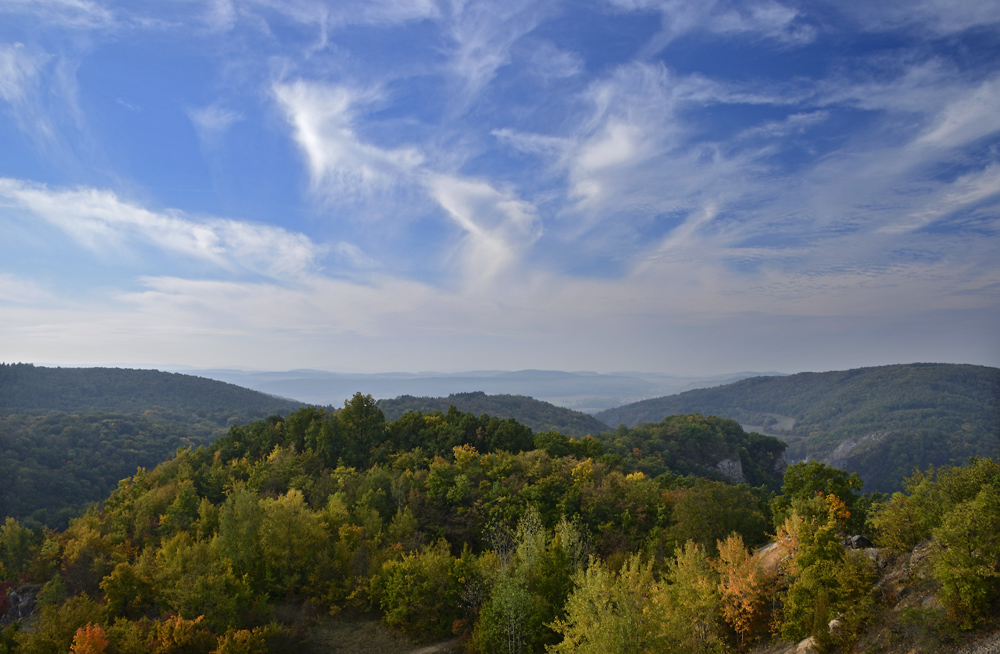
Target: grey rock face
732	470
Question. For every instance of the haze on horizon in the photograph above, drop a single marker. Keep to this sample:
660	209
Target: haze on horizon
680	186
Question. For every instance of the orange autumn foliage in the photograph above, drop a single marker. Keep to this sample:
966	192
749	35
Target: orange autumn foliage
90	639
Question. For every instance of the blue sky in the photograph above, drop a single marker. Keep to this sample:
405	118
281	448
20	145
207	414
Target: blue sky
689	187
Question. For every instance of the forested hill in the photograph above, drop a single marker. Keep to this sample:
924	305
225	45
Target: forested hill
472	530
25	388
881	422
540	416
68	435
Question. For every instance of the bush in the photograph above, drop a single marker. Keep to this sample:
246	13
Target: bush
420	592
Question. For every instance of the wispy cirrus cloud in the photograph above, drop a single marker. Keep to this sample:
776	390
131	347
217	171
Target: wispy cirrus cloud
496	226
340	163
762	20
101	222
40	92
938	17
639	150
21	89
19	70
212	122
77	14
329	14
484	33
967	118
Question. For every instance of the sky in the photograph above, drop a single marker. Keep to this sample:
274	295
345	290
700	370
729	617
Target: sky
677	186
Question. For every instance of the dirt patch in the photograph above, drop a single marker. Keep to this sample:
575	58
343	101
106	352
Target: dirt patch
439	648
356	637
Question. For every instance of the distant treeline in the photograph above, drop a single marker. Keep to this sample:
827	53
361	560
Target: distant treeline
540	416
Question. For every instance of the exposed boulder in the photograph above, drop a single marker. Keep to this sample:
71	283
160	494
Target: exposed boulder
20	605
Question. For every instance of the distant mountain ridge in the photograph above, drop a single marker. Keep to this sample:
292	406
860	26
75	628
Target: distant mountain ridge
881	422
588	392
538	415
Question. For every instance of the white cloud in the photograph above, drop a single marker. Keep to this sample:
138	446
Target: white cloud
354	256
940	17
101	222
40	92
970	117
334	14
340	162
635	151
793	124
80	14
965	192
769	20
484	32
18	71
221	15
20	290
213	121
758	20
498	226
384	12
538	144
548	61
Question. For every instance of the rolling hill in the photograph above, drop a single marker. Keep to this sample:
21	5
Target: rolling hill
881	422
68	435
25	388
540	416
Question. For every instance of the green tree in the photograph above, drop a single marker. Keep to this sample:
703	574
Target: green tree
511	620
690	603
17	548
57	625
292	539
908	518
610	613
362	425
805	480
191	582
826	580
711	510
128	593
965	558
53	592
239	539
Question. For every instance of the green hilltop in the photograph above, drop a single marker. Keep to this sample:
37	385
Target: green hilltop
472	530
882	422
